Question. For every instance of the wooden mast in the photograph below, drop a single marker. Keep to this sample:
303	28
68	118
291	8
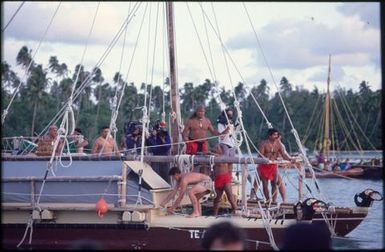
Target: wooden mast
326	140
175	104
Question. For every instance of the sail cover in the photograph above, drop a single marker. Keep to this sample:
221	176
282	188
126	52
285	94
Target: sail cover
84	181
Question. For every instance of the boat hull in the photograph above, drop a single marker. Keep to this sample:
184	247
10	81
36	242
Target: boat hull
165	234
122	236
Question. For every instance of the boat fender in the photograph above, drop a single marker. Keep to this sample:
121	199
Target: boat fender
366	198
101	207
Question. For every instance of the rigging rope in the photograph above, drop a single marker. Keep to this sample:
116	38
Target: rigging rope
116	103
239	112
294	131
98	64
25	77
13	16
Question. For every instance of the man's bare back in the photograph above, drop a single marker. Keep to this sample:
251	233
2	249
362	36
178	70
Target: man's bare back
193	178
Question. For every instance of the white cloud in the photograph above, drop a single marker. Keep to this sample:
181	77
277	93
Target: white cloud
368	13
297	39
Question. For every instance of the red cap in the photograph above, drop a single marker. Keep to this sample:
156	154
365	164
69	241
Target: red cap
162	124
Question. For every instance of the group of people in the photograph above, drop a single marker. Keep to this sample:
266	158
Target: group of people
195	136
77	142
327	164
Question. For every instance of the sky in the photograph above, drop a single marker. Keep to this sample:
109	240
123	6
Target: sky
288	39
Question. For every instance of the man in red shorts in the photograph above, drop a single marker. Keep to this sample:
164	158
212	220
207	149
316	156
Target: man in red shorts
194	132
222	182
271	148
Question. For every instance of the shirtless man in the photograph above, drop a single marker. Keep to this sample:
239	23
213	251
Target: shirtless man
105	145
79	141
272	148
46	143
201	185
194	132
223	176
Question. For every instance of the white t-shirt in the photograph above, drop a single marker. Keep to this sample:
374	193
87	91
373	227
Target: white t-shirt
226	139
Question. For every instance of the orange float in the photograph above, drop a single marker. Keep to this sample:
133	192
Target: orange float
101	207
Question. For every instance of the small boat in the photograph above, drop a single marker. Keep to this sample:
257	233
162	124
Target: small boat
370	171
352	173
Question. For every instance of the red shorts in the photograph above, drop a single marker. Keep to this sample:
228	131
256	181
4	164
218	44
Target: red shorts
268	171
222	180
193	148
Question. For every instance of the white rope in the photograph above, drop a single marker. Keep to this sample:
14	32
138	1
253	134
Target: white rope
29	226
98	64
115	104
217	33
267	226
184	162
5	112
297	139
239	112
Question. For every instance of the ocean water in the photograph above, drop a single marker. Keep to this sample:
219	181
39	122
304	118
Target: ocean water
370	233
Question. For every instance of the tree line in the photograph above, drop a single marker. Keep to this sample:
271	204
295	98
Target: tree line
40	97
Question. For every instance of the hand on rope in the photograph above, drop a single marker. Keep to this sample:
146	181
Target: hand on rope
173	116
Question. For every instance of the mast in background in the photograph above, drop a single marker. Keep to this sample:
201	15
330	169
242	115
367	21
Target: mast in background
326	140
175	101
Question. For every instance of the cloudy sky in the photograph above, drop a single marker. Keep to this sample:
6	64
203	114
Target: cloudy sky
290	39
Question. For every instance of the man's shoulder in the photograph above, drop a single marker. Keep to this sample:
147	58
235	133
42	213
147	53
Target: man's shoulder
263	142
98	140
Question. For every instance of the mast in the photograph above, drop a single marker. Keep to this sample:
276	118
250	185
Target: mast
326	140
175	104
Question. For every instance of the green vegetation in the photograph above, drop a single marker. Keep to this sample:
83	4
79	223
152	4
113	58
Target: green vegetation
40	98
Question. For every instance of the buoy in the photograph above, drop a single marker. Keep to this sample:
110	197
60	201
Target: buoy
101	207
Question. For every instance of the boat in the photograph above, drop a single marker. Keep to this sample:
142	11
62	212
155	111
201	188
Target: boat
49	202
351	173
329	155
370	171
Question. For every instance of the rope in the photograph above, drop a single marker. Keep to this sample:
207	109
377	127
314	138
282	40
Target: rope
199	39
352	116
298	141
184	163
98	64
13	16
239	112
5	112
115	104
267	226
29	226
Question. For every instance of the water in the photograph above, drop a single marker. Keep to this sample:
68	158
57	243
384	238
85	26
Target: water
370	233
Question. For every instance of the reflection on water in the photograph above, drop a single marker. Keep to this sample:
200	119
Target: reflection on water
370	233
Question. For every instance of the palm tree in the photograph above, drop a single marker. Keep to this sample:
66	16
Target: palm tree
24	58
35	89
98	79
9	77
